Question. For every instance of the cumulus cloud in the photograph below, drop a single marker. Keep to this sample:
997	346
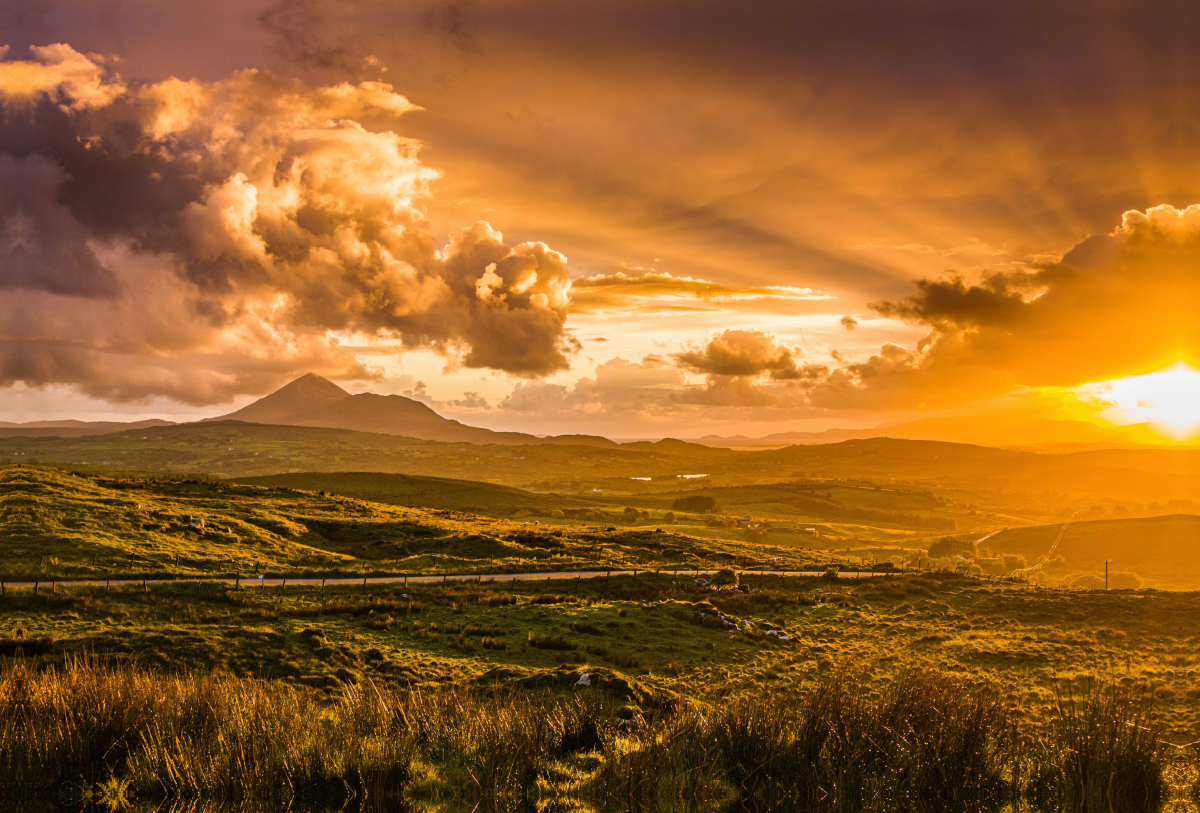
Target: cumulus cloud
740	365
1115	304
848	322
198	240
744	354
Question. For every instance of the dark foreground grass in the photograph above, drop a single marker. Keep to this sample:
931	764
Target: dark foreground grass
923	743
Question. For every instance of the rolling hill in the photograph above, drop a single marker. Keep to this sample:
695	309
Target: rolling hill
1163	549
73	429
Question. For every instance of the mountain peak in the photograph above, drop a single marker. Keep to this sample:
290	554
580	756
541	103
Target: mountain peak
304	395
311	385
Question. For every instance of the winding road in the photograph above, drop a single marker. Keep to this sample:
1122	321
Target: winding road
472	577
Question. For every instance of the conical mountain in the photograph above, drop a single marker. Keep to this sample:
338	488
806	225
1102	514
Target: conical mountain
303	396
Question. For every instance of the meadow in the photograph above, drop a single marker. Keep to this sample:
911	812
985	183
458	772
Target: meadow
724	673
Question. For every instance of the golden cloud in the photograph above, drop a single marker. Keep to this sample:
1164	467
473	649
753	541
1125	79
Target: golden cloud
1116	304
641	288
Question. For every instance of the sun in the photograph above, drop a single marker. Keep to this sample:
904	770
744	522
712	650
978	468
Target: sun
1168	399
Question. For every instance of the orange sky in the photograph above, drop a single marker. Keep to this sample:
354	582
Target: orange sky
684	203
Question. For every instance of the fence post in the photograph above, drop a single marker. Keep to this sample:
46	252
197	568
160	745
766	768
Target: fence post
35	588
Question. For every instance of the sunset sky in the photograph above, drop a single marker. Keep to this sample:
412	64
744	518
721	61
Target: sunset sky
629	218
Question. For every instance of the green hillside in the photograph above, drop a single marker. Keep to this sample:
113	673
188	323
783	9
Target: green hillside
56	524
487	499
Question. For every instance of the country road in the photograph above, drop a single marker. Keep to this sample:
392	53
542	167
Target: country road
472	577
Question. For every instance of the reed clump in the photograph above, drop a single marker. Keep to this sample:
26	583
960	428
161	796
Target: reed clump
924	744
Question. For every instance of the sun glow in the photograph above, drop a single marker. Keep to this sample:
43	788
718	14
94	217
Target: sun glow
1168	399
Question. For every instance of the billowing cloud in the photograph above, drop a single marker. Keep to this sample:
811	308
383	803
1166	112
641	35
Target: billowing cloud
198	240
1115	304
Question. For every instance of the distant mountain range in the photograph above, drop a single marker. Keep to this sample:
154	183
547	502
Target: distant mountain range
980	430
73	429
314	401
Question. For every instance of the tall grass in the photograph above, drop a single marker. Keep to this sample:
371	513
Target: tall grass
1103	752
921	743
925	744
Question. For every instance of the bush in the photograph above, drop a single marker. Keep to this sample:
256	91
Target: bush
696	504
669	518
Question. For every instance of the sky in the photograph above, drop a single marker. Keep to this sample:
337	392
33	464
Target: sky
632	218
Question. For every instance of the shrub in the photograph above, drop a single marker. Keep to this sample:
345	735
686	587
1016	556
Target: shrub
494	643
948	546
725	578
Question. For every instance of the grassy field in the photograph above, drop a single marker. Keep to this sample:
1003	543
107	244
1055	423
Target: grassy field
649	628
648	644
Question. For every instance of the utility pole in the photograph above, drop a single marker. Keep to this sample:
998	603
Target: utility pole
1106	561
